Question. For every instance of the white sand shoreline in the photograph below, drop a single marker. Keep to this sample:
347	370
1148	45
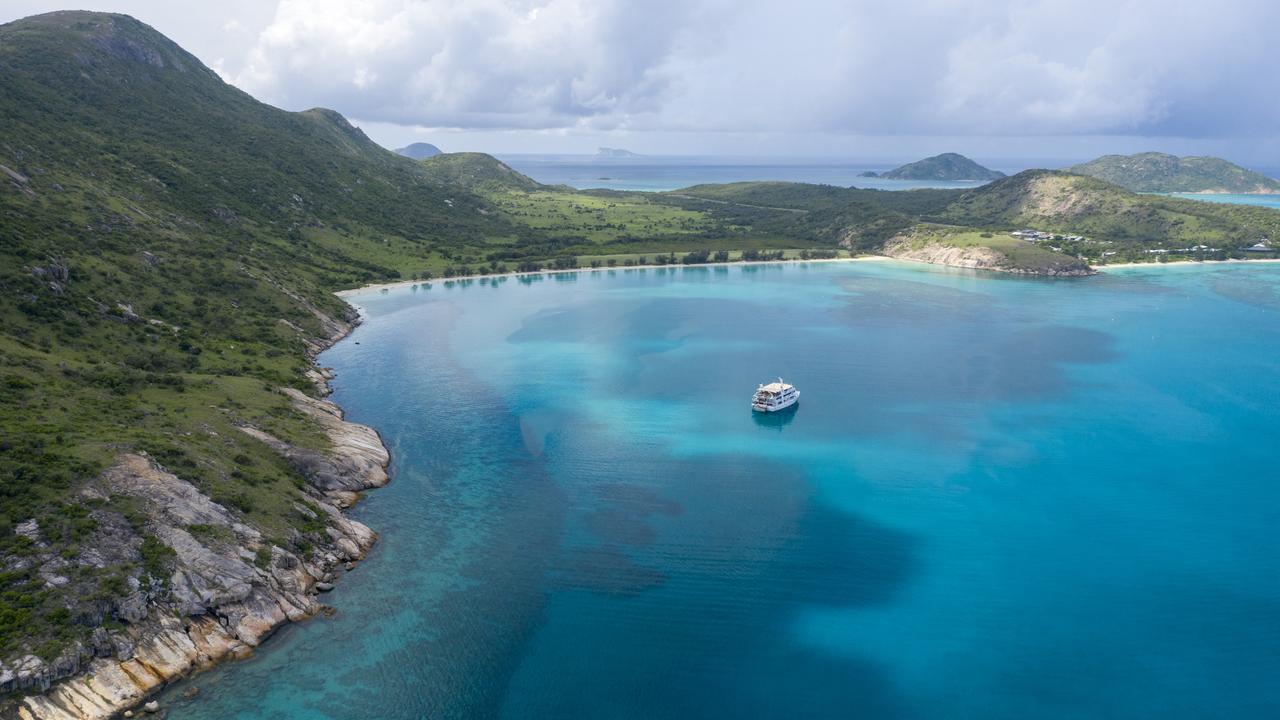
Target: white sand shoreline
378	287
1173	263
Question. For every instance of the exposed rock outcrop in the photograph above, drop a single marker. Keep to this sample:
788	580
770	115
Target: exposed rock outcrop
219	601
230	587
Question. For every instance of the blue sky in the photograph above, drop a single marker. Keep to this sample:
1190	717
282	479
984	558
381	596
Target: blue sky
996	79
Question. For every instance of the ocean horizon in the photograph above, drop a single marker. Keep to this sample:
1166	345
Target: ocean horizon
659	173
999	497
664	173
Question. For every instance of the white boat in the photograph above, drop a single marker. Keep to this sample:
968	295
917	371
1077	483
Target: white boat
774	397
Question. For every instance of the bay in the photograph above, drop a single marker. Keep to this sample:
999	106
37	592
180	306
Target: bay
998	497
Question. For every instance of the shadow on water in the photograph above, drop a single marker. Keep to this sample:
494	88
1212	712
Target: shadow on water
695	603
776	420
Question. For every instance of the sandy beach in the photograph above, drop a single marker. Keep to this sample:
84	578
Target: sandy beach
861	258
1120	266
408	283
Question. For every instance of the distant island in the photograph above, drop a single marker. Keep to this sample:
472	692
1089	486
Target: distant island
947	166
1163	173
868	173
606	152
419	150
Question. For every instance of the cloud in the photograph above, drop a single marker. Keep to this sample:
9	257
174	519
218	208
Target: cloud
928	67
483	63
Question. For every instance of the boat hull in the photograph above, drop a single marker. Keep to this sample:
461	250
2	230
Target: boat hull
781	405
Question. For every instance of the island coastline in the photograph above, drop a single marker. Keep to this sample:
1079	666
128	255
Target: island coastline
168	649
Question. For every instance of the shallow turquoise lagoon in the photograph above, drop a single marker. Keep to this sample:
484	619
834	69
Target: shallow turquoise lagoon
998	498
1272	201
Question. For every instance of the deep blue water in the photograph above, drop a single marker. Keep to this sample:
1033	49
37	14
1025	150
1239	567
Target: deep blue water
659	173
998	498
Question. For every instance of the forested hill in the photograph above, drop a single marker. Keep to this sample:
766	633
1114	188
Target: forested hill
476	170
1162	173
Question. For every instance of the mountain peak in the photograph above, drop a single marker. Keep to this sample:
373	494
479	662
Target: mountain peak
92	38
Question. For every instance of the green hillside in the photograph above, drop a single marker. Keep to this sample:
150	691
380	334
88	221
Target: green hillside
1161	173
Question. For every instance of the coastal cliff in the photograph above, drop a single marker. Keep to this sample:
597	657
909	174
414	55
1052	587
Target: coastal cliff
230	586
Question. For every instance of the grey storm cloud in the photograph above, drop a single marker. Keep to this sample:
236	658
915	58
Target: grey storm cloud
870	67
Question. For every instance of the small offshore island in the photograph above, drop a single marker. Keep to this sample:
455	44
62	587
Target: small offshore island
177	480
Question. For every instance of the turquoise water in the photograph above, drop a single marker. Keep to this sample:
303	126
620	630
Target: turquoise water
998	498
1272	201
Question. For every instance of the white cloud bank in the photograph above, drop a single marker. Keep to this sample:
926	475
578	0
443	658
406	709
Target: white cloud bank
1020	67
480	63
759	71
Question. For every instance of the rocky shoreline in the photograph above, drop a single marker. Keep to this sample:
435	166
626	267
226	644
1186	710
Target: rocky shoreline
230	587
